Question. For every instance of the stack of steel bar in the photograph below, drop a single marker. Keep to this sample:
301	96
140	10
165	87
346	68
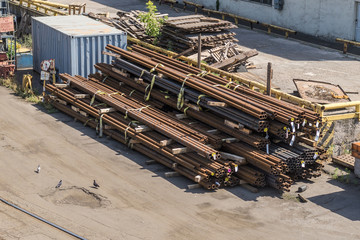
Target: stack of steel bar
234	95
204	167
181	33
142	78
162	87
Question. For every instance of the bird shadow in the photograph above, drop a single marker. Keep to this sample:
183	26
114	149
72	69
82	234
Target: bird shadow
93	187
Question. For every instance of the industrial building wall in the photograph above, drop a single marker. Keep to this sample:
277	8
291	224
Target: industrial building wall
327	19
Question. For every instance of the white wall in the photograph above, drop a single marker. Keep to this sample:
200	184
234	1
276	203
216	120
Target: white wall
322	18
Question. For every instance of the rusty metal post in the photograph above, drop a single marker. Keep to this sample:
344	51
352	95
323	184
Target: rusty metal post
268	79
199	51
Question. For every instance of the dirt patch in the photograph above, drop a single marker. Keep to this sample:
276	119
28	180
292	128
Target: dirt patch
77	196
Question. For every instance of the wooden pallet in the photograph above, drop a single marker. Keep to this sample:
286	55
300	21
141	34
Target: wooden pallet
345	160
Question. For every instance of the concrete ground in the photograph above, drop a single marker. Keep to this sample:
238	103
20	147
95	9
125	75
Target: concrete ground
135	201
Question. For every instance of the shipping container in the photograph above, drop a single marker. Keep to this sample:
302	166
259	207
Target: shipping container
75	42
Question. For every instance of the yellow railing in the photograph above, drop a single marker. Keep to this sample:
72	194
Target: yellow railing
42	6
319	108
346	43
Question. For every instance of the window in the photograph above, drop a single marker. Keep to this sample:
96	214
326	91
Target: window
268	2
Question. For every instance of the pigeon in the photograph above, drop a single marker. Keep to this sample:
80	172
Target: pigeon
38	169
95	184
59	184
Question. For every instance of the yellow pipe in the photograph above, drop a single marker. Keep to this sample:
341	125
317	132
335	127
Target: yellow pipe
51	4
333	106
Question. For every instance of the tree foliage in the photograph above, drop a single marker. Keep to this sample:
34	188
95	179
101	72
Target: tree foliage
152	23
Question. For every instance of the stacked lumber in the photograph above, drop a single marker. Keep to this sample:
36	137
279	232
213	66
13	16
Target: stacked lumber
157	106
181	33
229	57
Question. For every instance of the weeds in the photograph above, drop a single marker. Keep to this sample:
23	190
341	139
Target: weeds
26	41
290	197
28	96
153	23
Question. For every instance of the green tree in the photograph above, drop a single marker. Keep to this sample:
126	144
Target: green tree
152	23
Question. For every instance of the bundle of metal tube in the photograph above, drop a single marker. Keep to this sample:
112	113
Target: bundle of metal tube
208	172
286	112
209	118
194	96
114	75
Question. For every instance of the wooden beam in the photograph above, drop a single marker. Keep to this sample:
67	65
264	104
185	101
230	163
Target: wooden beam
213	131
142	128
80	96
61	85
106	110
166	142
229	156
85	114
76	109
61	101
230	140
179	150
237	58
216	104
181	116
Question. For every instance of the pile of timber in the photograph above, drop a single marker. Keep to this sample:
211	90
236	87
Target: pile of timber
181	33
128	22
228	57
197	124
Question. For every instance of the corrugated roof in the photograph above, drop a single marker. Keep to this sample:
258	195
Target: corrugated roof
77	25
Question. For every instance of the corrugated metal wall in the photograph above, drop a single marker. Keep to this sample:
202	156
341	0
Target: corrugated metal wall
75	55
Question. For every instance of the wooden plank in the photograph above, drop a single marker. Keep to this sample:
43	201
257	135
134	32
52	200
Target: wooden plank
213	131
237	58
108	127
53	97
61	85
166	142
179	150
230	156
106	110
233	125
61	101
230	140
80	96
142	128
216	104
181	116
85	114
134	141
345	160
76	109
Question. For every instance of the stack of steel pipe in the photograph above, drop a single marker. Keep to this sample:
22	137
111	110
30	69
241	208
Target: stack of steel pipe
142	86
114	76
251	176
284	112
207	171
